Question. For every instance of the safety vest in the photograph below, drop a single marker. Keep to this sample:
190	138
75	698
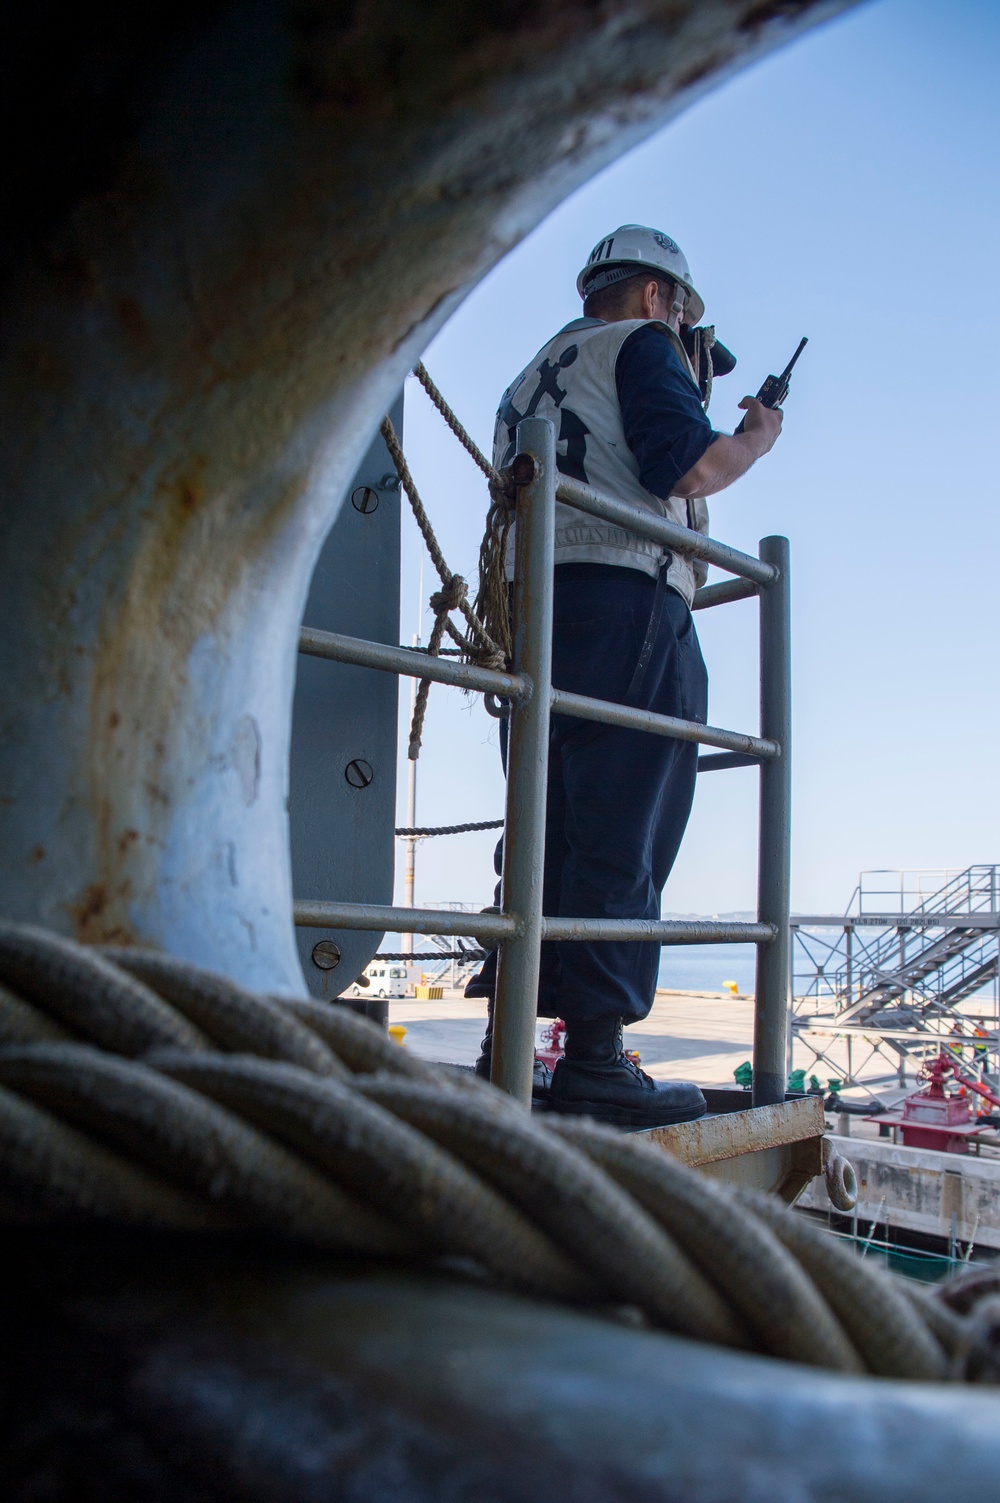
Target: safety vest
571	381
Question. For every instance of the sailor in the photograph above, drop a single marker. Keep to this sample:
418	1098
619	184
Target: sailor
620	388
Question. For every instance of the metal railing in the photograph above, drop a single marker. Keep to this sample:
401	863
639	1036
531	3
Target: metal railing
895	982
925	950
918	890
520	927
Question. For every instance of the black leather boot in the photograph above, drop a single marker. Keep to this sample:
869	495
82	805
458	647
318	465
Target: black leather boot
541	1078
597	1079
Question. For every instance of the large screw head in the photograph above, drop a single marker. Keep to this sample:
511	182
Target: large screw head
359	773
326	955
364	499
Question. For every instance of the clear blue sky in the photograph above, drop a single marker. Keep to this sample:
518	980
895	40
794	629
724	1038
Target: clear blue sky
845	188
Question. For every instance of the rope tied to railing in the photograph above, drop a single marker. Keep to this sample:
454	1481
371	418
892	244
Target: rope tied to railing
136	1089
476	644
491	606
455	424
419	832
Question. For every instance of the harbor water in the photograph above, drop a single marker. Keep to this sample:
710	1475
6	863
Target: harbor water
706	968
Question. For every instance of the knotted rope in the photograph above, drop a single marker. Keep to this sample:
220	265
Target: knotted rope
491	606
136	1089
492	602
476	644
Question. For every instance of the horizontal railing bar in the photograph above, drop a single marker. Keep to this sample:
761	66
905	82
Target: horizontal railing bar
720	761
313	914
661	530
667	931
901	1035
408	662
606	713
722	593
895	921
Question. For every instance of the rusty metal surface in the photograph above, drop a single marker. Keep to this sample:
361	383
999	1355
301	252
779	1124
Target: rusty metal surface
341	828
920	1189
785	1169
230	231
732	1133
775	1148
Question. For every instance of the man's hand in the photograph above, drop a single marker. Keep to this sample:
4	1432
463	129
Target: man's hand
731	455
763	422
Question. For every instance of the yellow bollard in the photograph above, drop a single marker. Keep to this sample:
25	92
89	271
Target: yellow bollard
732	987
397	1033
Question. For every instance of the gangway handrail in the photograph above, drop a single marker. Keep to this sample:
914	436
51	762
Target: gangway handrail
902	974
672	534
519	927
722	593
911	919
374	917
314	913
408	662
405	662
608	713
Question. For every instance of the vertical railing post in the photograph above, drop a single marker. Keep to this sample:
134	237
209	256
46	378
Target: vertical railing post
527	766
774	852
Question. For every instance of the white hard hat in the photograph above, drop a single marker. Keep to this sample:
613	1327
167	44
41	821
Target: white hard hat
634	245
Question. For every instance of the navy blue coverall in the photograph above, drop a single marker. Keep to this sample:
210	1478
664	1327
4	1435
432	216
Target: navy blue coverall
619	800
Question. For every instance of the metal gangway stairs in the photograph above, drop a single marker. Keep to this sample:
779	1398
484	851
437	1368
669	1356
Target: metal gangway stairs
897	978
